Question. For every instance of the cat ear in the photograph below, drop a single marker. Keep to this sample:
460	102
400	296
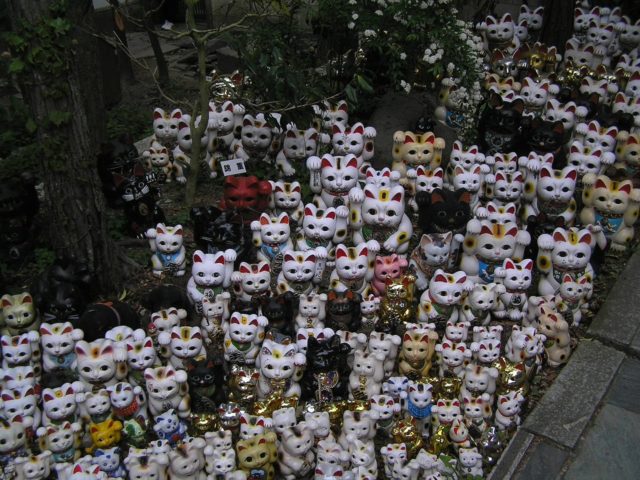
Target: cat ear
331	214
440	276
512	232
336	129
625	187
247	121
341	251
632	140
571	174
263	267
408	139
160	228
148	343
464	196
545	172
289	258
584	280
566	278
476	170
486	230
457	146
458	170
368	193
600	183
509	265
438	173
399	195
500	177
559	236
461	279
245	268
177	113
342	105
380	261
326	162
353	161
310	257
220	258
198	256
264	219
177	230
308	211
359	129
284	218
436	197
291	134
491	208
158	113
527	264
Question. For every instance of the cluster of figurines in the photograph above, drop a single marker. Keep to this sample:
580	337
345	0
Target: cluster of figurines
397	316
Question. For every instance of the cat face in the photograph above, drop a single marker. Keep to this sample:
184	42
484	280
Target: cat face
107	459
255	277
420	393
284	418
59	403
16	350
505	162
486	350
165	125
508	187
293	145
274	231
501	30
331	115
573	290
483	297
453	354
219	440
286	195
469	180
321	423
319	224
436	248
277	360
121	395
165	320
503	64
501	214
585	160
556	112
629	35
208	269
497	242
347	141
222	118
545	137
168	239
629	151
633	85
18	377
611	197
140	353
96	360
18	310
600	34
522	30
391	266
447	411
59	338
465	158
446	288
164	382
448	210
338	173
415	149
583	18
352	263
578	55
600	137
98	403
168	422
297	440
557	185
384	178
383	207
256	133
590	86
223	461
244	328
157	155
532	17
358	424
428	180
19	402
509	403
518	275
255	452
312	305
299	266
534	94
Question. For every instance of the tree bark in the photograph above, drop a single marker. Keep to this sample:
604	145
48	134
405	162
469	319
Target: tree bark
75	206
557	25
161	61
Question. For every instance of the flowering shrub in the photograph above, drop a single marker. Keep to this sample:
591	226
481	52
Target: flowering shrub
410	43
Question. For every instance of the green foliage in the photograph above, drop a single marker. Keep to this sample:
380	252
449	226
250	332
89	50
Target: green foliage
44	257
128	119
19	152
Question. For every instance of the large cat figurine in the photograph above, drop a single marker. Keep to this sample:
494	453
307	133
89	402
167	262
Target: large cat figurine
331	179
272	236
441	302
381	218
301	271
252	282
487	245
499	33
256	139
612	205
323	228
210	275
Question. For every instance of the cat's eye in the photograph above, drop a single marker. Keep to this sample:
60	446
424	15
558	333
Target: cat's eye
602	198
372	211
331	178
391	213
617	201
506	247
488	246
348	177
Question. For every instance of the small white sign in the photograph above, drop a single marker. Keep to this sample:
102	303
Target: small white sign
235	166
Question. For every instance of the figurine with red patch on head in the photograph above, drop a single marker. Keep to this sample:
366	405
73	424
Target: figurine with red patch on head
169	254
247	195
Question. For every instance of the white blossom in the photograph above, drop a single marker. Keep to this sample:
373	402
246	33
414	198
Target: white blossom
351	25
353	2
405	86
379	13
403	56
369	33
354	16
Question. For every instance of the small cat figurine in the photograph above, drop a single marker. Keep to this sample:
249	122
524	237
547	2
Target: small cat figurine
287	198
169	254
549	195
141	354
593	135
389	267
210	274
500	214
301	271
21	350
19	313
628	153
311	311
323	228
516	278
272	236
443	211
574	294
533	18
628	34
440	302
611	205
354	268
435	251
297	146
159	160
165	126
225	120
536	94
356	140
331	179
411	150
470	180
278	362
568	113
256	139
384	178
566	252
487	245
543	137
101	363
243	336
499	126
465	158
331	115
58	341
588	160
184	344
422	180
499	33
481	302
579	55
381	218
252	282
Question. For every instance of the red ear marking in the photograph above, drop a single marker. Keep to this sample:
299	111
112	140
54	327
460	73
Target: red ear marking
408	139
512	232
353	163
220	259
485	230
369	194
359	130
600	184
265	268
398	196
508	264
625	187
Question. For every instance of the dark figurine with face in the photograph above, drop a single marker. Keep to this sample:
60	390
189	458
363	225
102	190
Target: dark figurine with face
326	375
443	211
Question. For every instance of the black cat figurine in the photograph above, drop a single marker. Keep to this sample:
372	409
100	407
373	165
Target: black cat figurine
343	310
279	310
326	376
204	385
443	211
499	125
116	157
216	230
542	137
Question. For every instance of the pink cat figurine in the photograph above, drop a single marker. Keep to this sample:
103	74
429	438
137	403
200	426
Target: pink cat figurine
388	267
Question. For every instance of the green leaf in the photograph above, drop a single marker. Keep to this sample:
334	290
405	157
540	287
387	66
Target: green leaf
364	84
351	93
31	125
58	117
16	66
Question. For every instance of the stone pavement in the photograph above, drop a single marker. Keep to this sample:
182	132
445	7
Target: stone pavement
587	425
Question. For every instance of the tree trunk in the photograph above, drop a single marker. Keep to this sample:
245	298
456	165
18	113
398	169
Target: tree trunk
120	31
557	25
63	90
161	62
